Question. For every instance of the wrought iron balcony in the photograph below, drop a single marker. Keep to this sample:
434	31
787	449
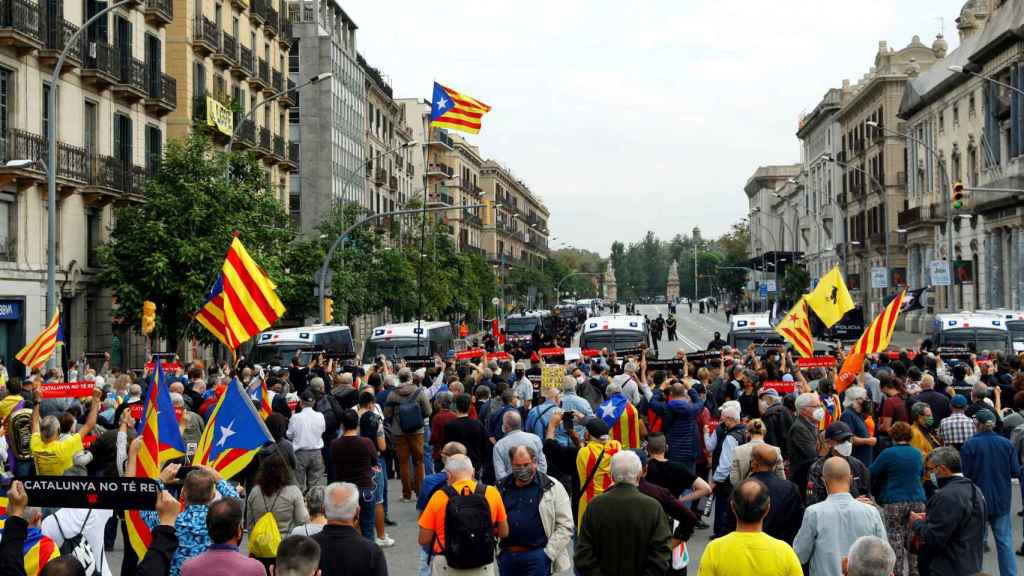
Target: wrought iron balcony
228	54
270	25
277	81
130	74
98	66
290	163
205	35
159	12
285	34
440	169
380	176
21	25
260	80
162	96
57	38
279	147
244	68
264	143
288	99
245	137
258	12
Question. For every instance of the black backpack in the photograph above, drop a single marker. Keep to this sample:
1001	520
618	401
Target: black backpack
468	532
369	424
329	407
410	416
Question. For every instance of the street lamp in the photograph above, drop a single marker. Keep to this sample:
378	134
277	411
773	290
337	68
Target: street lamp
51	163
275	96
962	70
944	183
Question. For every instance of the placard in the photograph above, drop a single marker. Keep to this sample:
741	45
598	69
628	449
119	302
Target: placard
80	389
572	354
939	272
879	277
552	376
817	362
780	386
96	492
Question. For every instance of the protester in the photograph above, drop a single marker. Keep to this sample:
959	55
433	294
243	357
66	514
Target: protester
830	526
297	556
468	432
838	440
513	436
787	510
343	550
51	453
855	404
306	429
593	464
803	436
275	492
623	532
406	409
869	556
355	458
468	552
730	434
777	420
922	436
991	462
540	518
748	551
952	529
222	558
443	414
679	413
899	469
742	455
683	520
957	428
675	477
315	507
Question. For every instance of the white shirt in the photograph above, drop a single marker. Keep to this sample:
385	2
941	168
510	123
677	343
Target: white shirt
75	521
306	429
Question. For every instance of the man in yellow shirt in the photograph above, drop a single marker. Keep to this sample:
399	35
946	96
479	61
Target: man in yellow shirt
52	455
748	551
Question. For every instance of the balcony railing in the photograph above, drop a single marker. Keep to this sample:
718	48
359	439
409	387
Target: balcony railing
265	139
285	34
380	176
72	162
99	61
438	136
229	48
258	11
245	62
393	183
293	152
199	107
59	37
246	134
279	146
205	34
270	26
264	72
288	97
160	11
112	173
20	22
440	168
278	81
131	75
162	92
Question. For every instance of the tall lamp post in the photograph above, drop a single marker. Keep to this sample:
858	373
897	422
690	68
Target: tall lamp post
51	164
944	183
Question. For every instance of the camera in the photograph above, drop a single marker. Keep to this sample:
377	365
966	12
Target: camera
568	420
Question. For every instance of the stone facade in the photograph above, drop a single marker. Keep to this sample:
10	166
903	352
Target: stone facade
672	285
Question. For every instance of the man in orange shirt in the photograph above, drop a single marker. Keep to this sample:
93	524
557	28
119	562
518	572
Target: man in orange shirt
469	552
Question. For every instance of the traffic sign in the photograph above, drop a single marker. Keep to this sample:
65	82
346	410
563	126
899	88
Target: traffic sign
764	290
879	277
771	285
939	272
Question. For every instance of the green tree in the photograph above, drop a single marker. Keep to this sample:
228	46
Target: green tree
169	248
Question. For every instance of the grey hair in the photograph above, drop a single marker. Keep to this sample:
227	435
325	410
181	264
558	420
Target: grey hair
945	456
512	421
568	385
927	382
49	427
552	393
529	450
404	375
626	467
315	500
730	412
345	378
458	463
870	556
488	373
804	400
135	390
317	384
341	501
389	381
444	399
918	409
630	367
980	390
613	389
177	399
853	394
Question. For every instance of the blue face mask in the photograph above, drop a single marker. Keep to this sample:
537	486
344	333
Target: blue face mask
934	478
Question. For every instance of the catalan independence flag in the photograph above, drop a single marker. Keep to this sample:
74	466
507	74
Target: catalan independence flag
234	433
261	398
39	350
795	327
623	419
250	303
591	455
37	550
451	109
876	338
161	441
211	315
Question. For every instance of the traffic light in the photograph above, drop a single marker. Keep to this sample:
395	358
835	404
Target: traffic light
148	317
959	196
328	310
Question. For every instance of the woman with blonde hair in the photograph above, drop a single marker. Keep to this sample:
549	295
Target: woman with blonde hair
741	455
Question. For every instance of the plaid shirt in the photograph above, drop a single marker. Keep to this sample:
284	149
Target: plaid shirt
956	429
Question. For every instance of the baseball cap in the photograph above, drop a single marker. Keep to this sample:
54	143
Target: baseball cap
958	401
985	415
768	392
597	427
838	431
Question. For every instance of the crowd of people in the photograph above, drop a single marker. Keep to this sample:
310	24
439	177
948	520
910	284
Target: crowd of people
611	470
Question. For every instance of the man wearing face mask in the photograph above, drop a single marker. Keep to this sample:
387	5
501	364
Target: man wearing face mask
802	446
540	524
856	406
522	387
839	439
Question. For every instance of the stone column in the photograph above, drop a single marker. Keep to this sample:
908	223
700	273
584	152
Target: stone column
1018	266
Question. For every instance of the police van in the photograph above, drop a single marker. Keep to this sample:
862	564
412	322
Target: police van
519	327
747	329
976	331
409	340
1014	320
617	332
276	348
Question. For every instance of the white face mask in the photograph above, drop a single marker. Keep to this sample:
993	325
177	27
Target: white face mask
845	449
819	414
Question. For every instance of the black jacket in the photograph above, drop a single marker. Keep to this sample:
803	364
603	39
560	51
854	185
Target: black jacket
11	561
623	532
802	445
157	561
786	513
344	552
953	534
861	485
777	422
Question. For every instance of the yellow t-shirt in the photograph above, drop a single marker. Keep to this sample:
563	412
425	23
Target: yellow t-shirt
54	458
7	405
749	554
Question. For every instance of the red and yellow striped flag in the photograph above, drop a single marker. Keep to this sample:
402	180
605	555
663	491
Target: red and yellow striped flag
38	351
250	303
591	455
211	315
795	327
623	420
876	338
451	109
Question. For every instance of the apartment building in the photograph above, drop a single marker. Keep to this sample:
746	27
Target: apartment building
228	56
816	217
515	229
113	97
465	225
389	170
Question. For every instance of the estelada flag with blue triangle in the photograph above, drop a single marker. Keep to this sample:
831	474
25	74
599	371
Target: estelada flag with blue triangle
261	398
452	109
234	433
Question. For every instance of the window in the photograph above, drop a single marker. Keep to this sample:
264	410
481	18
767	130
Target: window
93	223
942	121
956	115
199	80
154	149
293	57
5	105
8	228
970	106
123	140
218	16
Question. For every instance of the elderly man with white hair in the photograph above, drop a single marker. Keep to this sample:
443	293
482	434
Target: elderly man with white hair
343	550
629	380
511	425
802	447
730	434
869	556
623	531
855	408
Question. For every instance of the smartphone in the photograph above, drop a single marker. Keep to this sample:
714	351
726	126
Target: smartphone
184	470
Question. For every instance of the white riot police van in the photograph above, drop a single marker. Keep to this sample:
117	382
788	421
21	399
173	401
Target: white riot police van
409	340
1014	320
756	329
617	332
976	331
276	348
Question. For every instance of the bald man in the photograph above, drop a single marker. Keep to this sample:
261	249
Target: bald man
831	526
787	510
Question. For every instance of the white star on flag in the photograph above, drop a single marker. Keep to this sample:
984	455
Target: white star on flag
225	433
442	103
608	411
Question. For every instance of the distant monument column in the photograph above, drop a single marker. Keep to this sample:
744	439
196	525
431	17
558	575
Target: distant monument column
611	290
672	288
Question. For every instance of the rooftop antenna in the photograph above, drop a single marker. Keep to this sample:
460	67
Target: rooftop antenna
942	26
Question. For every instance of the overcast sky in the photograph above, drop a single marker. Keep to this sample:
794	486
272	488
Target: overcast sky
646	115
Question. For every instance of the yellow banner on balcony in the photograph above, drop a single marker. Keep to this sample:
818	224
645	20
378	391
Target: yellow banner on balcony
219	116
